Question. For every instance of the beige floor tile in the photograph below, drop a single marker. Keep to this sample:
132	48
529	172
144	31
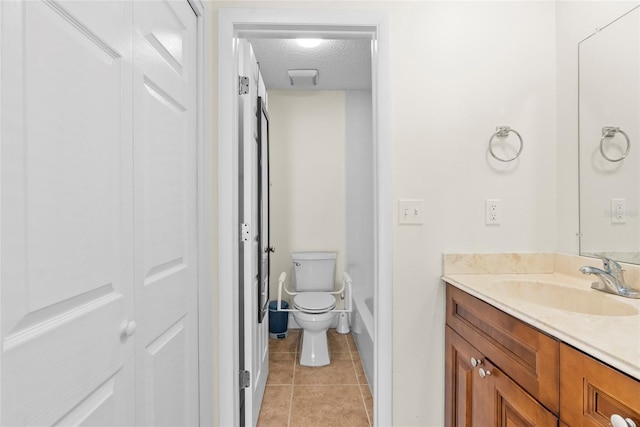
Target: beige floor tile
340	356
338	372
275	406
280	372
323	406
282	357
352	343
285	345
334	395
337	342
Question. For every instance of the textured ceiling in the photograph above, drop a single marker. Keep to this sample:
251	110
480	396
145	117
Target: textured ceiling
341	64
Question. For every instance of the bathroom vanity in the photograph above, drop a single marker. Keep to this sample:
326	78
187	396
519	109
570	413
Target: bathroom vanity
497	365
515	360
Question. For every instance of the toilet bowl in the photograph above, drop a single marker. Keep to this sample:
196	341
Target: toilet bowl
314	315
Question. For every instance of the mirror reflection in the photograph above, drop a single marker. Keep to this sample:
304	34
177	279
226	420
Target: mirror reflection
609	138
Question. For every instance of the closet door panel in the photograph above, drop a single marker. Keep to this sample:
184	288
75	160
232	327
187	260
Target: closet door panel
66	219
165	213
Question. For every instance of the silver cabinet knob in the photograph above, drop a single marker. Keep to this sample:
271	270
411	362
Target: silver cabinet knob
129	329
476	362
618	421
484	373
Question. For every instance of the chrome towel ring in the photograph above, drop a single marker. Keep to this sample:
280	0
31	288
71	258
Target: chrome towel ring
503	132
610	132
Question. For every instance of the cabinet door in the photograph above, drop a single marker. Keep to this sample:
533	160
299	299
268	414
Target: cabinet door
461	401
592	391
459	380
509	404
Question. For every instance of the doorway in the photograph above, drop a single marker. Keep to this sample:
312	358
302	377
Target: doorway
244	23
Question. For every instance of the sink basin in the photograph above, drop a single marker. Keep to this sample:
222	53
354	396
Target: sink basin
563	298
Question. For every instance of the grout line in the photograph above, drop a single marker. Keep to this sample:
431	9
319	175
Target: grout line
290	406
293	377
364	403
329	385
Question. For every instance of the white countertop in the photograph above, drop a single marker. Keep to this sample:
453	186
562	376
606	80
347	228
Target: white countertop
615	340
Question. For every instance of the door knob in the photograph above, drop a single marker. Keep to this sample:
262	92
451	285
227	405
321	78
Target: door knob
271	249
618	421
476	362
484	373
129	329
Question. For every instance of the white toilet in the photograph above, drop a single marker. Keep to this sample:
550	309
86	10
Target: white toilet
314	275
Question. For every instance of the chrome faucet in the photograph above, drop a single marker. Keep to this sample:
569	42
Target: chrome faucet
611	278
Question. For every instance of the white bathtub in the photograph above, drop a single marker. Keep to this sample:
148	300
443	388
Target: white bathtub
363	332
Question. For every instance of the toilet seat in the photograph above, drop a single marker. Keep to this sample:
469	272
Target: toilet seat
314	302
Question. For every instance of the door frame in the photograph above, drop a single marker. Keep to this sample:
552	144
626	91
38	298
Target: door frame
236	23
205	203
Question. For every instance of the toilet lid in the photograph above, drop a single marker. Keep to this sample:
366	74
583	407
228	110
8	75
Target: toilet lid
314	302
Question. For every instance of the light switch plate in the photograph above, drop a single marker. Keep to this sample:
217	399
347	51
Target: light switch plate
410	211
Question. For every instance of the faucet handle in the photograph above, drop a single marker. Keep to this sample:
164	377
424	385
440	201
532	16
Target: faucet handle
610	266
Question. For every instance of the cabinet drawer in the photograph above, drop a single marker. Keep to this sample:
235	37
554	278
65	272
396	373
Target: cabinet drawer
591	391
525	354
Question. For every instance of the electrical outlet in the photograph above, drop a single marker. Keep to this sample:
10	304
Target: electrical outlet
492	213
618	211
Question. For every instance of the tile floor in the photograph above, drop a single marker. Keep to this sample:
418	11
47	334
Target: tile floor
327	396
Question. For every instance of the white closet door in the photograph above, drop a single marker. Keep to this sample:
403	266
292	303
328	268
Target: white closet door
165	213
66	222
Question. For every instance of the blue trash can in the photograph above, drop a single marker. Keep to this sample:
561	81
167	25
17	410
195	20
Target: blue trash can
278	320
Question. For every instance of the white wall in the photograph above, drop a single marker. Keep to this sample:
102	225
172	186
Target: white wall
307	166
458	70
575	20
359	191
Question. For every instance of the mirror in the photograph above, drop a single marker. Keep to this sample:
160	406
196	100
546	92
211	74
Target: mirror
264	246
609	140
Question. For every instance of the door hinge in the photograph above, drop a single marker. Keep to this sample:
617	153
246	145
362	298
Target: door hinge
245	232
243	85
245	379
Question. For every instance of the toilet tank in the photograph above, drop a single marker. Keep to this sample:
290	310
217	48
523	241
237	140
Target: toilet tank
314	271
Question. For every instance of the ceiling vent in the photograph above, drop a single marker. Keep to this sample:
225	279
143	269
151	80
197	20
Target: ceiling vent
303	78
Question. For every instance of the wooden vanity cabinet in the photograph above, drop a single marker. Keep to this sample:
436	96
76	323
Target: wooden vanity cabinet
515	378
590	391
526	355
483	395
534	380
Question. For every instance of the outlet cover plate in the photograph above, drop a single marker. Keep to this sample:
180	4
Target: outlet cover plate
492	211
618	211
